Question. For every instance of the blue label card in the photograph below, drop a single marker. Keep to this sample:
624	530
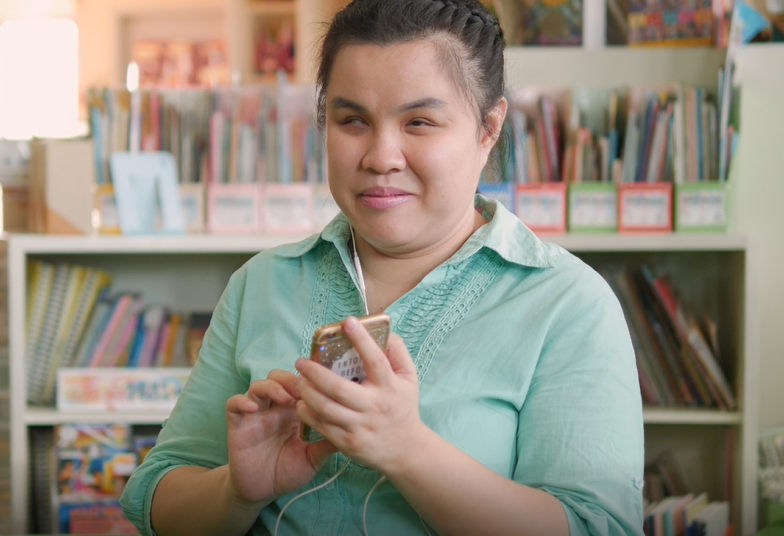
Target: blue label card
148	201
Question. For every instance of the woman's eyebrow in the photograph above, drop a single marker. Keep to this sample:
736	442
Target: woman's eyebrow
428	102
340	102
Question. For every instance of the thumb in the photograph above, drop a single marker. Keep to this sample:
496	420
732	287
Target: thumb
399	357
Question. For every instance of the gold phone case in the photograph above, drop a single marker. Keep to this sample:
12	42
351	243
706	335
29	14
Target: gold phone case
332	349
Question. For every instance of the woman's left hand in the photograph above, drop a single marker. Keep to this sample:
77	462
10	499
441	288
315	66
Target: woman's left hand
374	423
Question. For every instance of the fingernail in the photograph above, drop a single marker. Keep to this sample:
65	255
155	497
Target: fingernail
351	324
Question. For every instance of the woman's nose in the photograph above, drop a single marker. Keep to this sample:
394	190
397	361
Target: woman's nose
384	153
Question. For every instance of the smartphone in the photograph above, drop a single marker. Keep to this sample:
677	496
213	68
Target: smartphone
331	348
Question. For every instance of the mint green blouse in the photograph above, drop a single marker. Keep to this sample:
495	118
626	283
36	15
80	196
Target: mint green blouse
524	362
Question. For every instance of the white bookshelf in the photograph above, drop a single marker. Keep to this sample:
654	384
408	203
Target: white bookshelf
715	271
715	450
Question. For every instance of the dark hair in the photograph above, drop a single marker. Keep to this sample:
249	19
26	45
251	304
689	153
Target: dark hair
469	42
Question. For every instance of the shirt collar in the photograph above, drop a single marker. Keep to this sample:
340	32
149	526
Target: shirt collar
504	233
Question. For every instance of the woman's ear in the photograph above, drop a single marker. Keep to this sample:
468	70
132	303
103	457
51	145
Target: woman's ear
494	124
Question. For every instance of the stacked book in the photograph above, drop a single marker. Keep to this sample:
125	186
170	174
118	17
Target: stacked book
238	134
676	354
666	133
74	320
687	515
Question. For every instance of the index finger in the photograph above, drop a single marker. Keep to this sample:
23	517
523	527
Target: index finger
279	387
376	364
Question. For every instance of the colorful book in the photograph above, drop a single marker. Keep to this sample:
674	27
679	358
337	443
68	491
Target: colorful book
43	347
99	318
77	278
96	283
123	310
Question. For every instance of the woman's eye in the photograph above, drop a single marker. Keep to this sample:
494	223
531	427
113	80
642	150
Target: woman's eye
352	121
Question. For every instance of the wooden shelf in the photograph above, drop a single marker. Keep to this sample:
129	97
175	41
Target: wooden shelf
51	417
613	242
612	66
251	243
706	417
272	8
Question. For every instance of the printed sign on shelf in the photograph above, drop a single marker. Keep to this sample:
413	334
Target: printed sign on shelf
701	206
542	206
593	207
119	389
645	207
287	208
233	208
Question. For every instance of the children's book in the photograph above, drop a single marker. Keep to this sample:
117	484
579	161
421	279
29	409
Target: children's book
94	461
95	517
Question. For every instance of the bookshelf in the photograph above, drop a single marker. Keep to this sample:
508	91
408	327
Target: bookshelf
714	449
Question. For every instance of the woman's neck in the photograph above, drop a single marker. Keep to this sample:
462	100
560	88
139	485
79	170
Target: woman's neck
388	277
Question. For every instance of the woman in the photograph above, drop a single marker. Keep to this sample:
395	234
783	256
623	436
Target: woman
507	401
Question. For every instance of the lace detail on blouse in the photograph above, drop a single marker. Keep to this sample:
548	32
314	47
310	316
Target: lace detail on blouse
431	315
427	315
335	296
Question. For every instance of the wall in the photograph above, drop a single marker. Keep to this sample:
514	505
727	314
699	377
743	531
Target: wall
756	210
102	23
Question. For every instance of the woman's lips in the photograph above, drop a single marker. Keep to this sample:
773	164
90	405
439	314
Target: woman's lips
383	198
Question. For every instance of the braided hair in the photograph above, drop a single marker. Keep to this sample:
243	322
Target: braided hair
468	39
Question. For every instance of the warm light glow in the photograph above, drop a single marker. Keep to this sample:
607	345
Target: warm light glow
132	77
39	84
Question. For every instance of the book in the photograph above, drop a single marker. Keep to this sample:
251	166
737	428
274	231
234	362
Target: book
153	321
660	381
122	311
671	474
93	517
44	494
93	463
693	508
713	520
40	277
198	323
77	277
99	318
43	347
97	282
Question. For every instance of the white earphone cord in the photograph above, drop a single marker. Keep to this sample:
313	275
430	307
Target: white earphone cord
358	268
361	280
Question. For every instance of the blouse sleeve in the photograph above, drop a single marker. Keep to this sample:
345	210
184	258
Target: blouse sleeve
196	431
580	433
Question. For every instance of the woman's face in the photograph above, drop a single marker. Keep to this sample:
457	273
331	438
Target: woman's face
404	146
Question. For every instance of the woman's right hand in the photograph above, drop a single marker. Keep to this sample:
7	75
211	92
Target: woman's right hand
267	457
